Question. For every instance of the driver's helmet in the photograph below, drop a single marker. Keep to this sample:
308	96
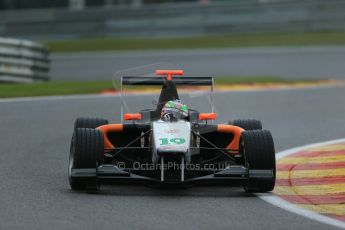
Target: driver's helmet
174	110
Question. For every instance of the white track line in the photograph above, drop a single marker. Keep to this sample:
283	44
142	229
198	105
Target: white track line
279	202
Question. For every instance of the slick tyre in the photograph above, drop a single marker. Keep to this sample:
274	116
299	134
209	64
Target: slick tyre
86	153
248	124
258	150
90	123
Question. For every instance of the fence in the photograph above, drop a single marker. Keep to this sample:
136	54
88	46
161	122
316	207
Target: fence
184	19
23	61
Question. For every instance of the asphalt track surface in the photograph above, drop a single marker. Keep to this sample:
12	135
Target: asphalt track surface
293	62
34	145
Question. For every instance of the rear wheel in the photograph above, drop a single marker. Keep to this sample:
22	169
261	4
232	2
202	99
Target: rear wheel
86	152
259	154
90	123
248	124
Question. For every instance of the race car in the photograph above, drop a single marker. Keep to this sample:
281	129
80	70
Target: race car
155	146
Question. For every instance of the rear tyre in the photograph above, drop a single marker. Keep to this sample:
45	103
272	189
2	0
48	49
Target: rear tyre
86	152
248	124
90	123
258	150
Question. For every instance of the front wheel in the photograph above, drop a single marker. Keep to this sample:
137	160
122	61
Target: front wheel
259	154
90	123
86	152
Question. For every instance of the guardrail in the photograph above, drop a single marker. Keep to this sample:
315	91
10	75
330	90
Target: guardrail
183	19
23	61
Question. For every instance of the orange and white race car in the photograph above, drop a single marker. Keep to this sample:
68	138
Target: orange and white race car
173	143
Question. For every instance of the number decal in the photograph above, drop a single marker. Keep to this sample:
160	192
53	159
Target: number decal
177	141
164	141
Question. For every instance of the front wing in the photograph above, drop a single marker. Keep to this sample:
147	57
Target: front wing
109	174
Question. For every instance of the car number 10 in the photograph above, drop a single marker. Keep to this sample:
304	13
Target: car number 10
177	141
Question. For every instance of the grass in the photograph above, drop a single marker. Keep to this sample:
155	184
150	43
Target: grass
239	40
53	88
8	90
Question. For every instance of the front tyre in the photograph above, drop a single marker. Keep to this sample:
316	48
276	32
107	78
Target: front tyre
86	152
90	123
259	154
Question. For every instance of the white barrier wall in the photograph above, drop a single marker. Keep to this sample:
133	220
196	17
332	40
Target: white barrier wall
23	61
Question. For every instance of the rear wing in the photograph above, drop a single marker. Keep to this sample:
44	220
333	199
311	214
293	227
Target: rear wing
168	80
156	80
